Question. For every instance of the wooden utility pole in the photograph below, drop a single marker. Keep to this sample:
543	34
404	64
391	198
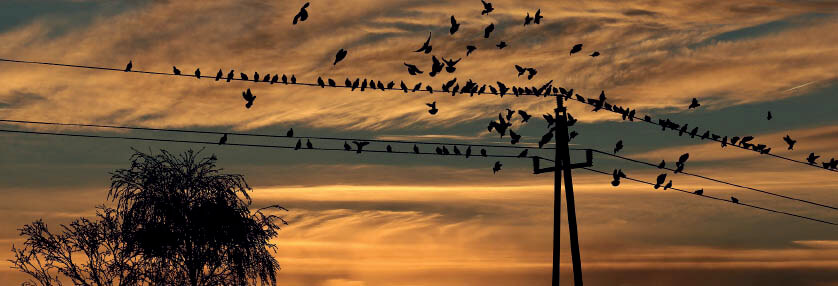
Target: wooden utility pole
563	164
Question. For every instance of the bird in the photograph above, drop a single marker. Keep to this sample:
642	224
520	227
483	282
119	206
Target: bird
487	8
483	152
436	67
320	82
426	47
454	25
308	144
293	79
290	133
284	79
523	154
450	64
389	149
668	185
524	116
230	76
470	49
360	146
496	167
256	76
302	15
433	109
417	87
618	147
403	86
249	97
415	149
683	158
538	17
332	83
346	146
595	54
660	180
468	151
509	113
576	48
219	75
550	120
198	73
299	144
769	116
789	141
457	151
515	137
223	140
531	73
617	175
694	104
244	76
488	30
812	158
699	192
129	66
545	139
339	56
734	200
501	45
521	70
527	19
662	164
267	78
175	70
572	135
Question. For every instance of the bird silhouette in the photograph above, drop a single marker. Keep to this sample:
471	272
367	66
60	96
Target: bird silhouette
595	54
284	79
293	79
445	151
617	175
223	140
308	144
299	144
230	75
468	151
509	113
523	154
515	137
290	133
249	97
496	167
267	78
662	164
483	152
618	147
538	17
488	30
438	150
129	66
175	70
668	185
346	146
487	8
389	149
524	116
256	76
531	73
521	70
450	64
198	73
219	75
436	67
694	104
320	82
527	19
545	139
572	135
470	49
433	109
339	56
403	86
699	192
302	15
426	47
454	25
769	116
812	158
332	83
661	178
457	151
415	149
576	48
734	200
417	87
501	45
360	146
789	141
746	139
244	76
550	120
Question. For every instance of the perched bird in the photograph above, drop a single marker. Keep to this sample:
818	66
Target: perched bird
694	104
299	144
734	200
454	25
668	185
450	64
662	164
290	133
617	175
256	76
524	116
293	79
426	47
576	48
545	139
523	154
488	30
487	8
468	152
501	45
129	66
302	15
249	97
683	158
812	158
595	54
433	109
219	75
332	83
538	17
389	149
308	144
789	141
346	146
660	180
223	140
403	86
320	82
415	149
457	151
198	73
230	76
769	116
417	87
360	146
618	147
284	79
496	167
244	76
339	56
267	78
515	137
175	70
470	49
699	192
483	152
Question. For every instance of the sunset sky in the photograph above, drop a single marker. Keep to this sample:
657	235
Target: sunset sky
383	219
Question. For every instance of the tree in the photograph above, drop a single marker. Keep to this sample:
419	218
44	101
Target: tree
178	221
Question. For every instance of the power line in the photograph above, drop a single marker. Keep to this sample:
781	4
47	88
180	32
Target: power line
720	199
258	135
701	137
252	80
714	180
256	145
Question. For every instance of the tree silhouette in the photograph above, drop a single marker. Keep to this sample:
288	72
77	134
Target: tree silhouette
178	221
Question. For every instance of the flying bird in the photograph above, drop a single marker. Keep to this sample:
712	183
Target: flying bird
198	73
470	49
454	25
595	54
175	70
523	154
812	158
618	147
450	64
527	19
129	66
521	70
617	175
488	30
545	139
524	116
302	15
660	180
412	69
426	47
249	97
576	48
487	8
515	137
694	104
339	56
501	45
496	167
436	67
360	146
531	73
538	17
433	109
223	140
789	141
509	113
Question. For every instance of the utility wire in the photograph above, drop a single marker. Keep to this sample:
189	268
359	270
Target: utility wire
714	180
224	78
720	199
259	135
252	145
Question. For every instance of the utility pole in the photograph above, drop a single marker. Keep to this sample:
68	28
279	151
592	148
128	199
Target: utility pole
563	163
557	198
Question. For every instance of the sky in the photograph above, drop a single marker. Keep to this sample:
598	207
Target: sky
378	219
